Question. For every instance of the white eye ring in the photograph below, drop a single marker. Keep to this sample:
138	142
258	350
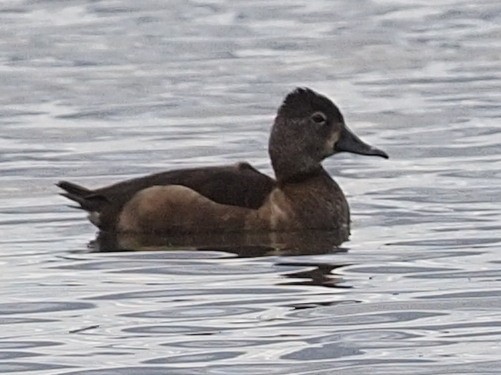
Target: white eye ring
319	118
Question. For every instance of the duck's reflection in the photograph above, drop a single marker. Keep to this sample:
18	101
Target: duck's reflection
244	245
320	274
240	244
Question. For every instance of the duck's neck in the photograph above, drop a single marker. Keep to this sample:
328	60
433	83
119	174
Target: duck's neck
292	161
297	176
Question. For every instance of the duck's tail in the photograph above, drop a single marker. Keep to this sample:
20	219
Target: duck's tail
88	199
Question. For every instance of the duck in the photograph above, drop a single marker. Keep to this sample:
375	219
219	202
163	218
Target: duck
307	129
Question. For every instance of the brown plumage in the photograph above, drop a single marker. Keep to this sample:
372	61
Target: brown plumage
308	128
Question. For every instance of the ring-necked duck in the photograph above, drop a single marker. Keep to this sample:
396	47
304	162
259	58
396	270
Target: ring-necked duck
307	129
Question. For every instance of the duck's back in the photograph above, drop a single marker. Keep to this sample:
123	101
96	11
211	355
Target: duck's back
236	185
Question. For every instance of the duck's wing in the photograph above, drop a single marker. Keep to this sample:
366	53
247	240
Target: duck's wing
238	185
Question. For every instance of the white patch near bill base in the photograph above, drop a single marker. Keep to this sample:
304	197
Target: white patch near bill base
331	142
94	218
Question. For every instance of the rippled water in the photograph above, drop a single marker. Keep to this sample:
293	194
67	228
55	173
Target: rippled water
97	91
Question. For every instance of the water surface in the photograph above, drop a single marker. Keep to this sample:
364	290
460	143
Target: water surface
98	91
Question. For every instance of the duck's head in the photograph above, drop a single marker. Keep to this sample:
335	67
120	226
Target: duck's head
307	129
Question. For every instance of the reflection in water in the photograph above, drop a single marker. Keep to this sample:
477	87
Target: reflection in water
244	245
104	91
317	275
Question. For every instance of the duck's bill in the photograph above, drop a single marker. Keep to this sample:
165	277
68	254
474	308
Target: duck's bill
349	142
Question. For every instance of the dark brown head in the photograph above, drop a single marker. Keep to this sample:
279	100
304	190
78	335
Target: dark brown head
308	128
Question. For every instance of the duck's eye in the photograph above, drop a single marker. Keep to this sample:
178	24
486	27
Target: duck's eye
319	118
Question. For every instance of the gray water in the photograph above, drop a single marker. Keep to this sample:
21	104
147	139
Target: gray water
99	91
